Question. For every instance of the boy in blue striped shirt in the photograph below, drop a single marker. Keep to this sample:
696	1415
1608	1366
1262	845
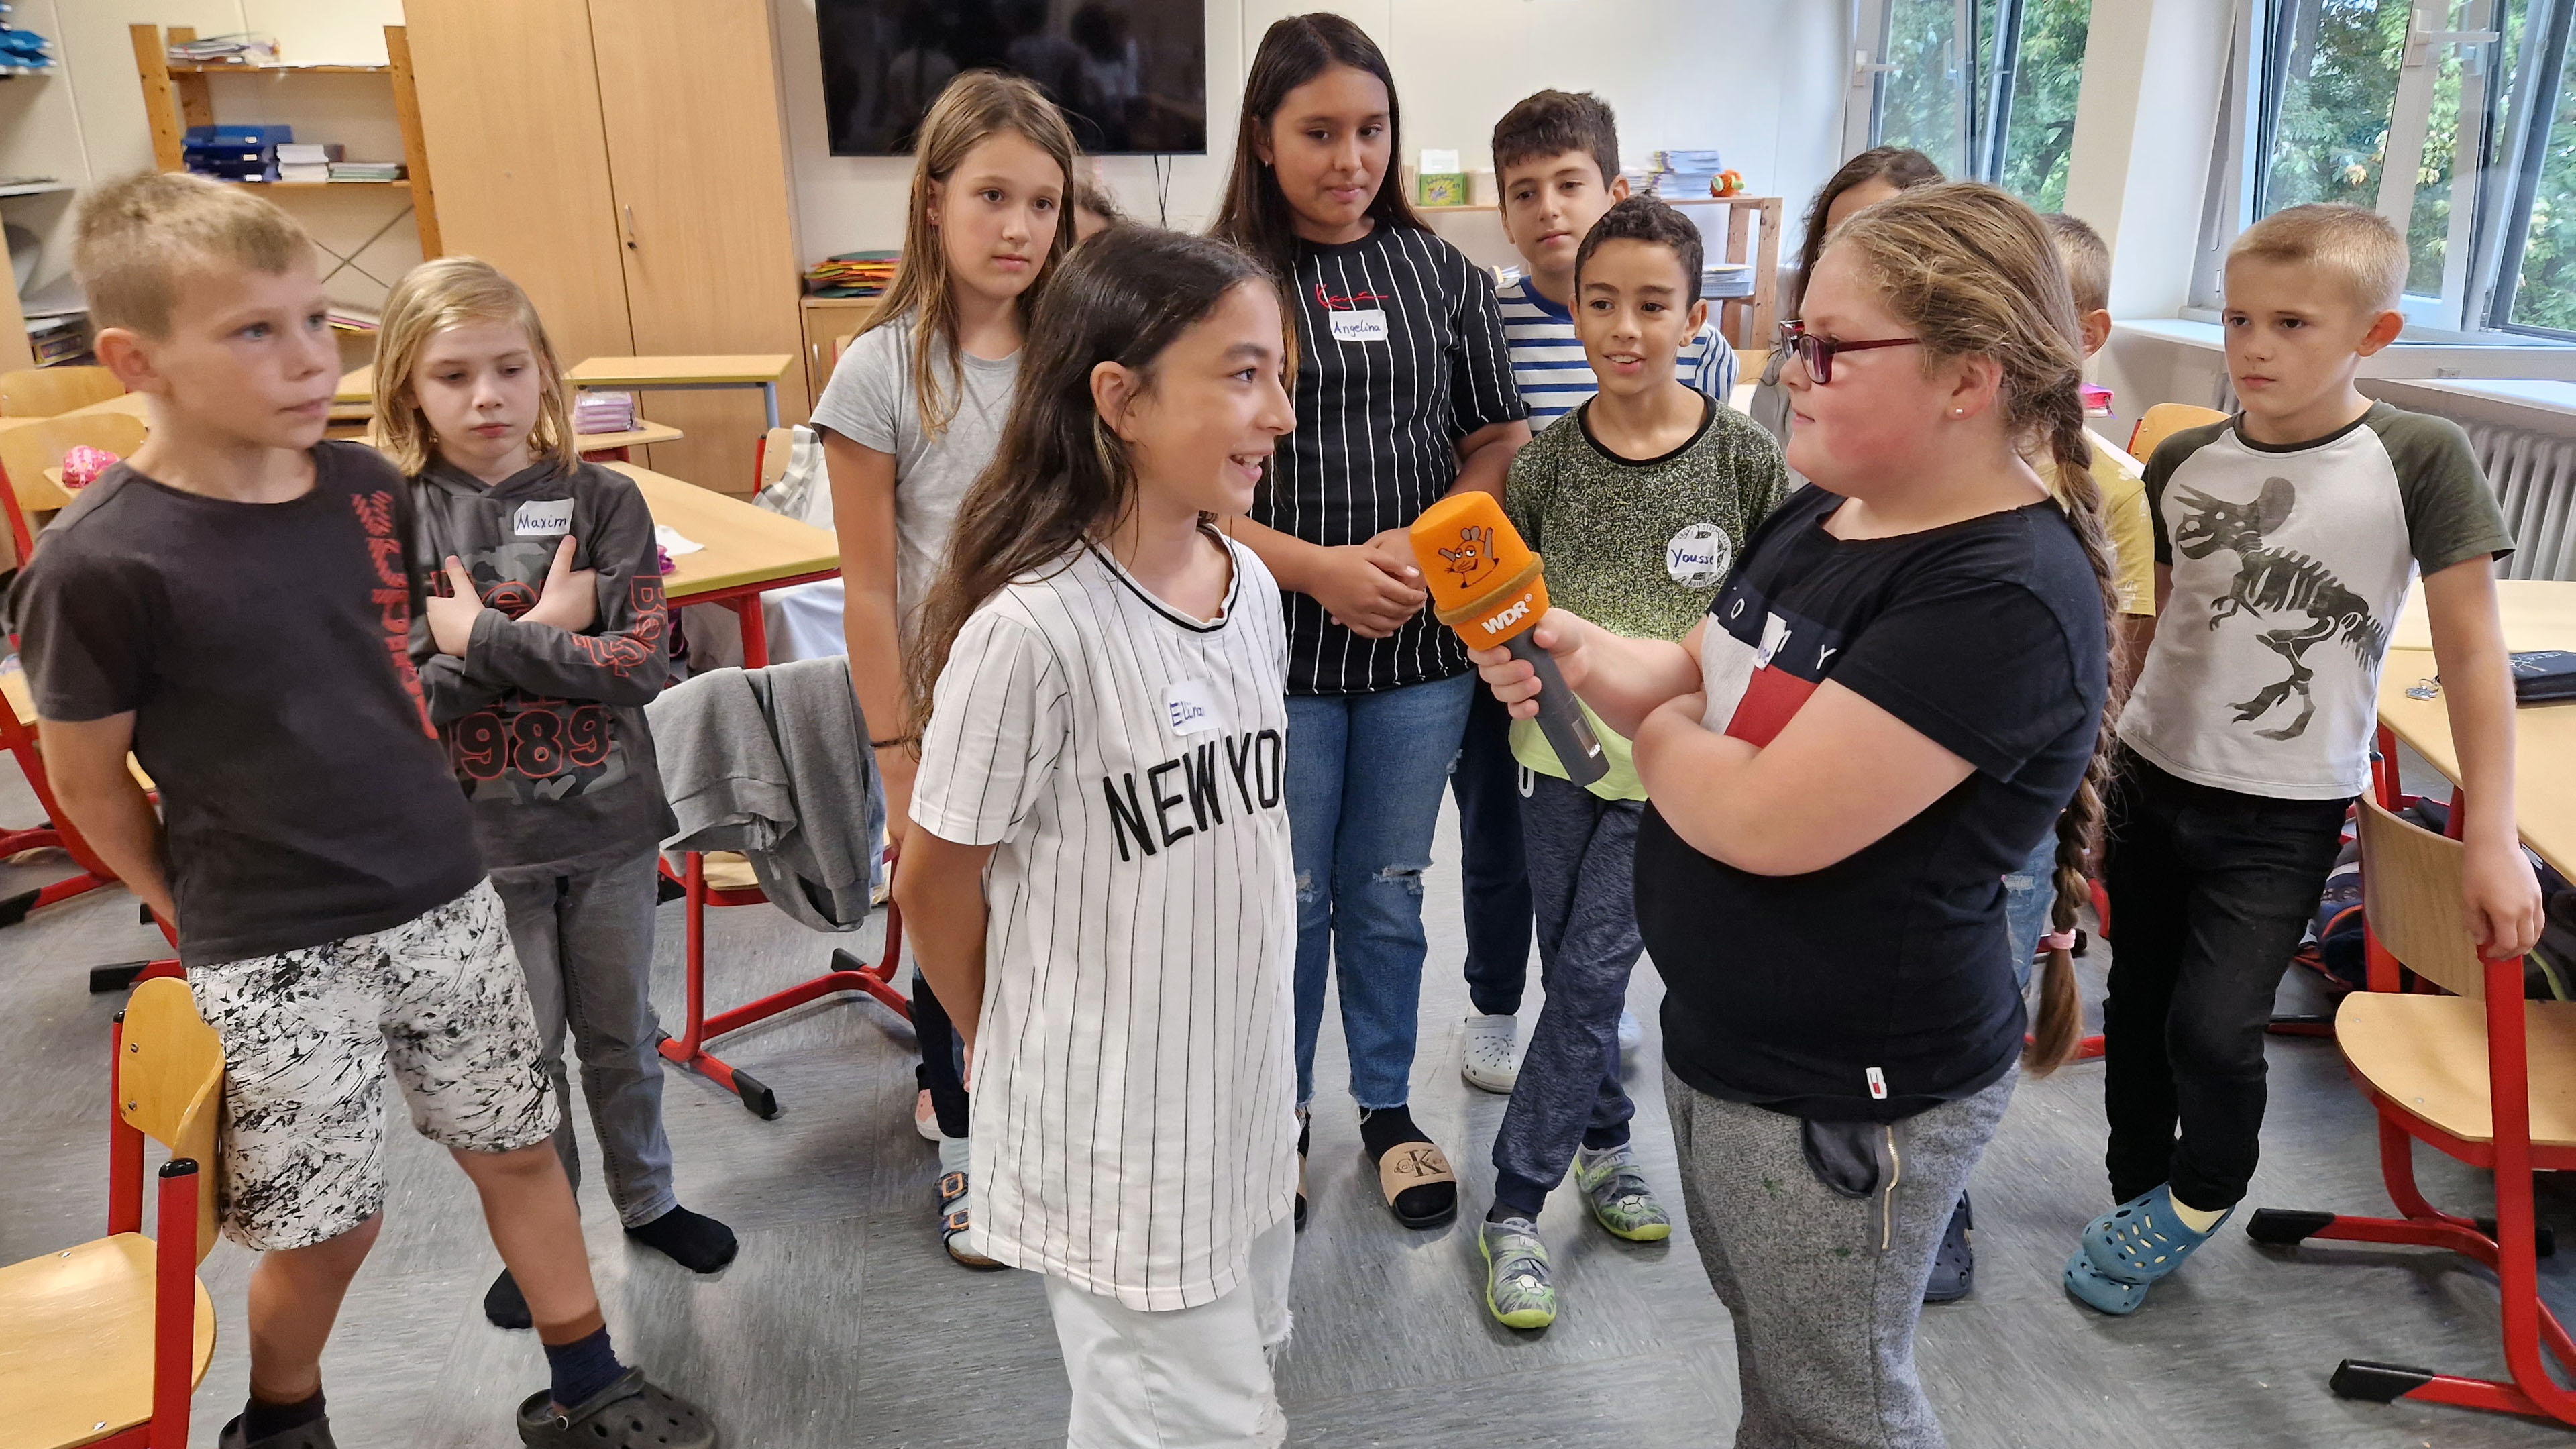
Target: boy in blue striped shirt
1557	156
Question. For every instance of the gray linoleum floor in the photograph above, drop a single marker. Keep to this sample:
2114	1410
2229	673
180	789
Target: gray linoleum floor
841	1323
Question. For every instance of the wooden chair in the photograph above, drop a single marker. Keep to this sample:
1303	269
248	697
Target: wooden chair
101	1344
44	392
27	451
2482	1074
18	737
2163	421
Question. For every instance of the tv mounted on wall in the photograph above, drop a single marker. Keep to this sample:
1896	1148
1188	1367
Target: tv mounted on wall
1130	74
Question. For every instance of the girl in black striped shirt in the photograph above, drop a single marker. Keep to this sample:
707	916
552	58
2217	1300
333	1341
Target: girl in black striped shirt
1404	395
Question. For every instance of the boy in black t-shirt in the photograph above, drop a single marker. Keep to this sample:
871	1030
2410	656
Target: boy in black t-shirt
231	606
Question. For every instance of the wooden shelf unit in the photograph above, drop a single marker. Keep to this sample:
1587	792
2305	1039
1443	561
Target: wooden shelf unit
176	97
1747	321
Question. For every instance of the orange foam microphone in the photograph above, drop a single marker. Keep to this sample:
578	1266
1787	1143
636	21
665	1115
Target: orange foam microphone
1487	584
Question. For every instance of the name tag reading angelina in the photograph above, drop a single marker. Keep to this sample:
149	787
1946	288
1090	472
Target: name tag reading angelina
1368	325
1189	708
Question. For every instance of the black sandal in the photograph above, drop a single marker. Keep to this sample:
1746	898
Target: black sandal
316	1435
629	1414
953	1223
1420	1187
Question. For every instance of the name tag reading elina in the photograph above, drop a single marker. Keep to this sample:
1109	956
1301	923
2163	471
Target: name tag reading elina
1360	326
1189	708
543	520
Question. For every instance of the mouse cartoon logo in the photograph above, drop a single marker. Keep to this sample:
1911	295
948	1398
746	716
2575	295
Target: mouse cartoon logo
1474	552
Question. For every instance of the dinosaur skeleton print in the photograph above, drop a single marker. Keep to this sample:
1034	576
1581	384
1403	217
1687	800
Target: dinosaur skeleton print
2290	566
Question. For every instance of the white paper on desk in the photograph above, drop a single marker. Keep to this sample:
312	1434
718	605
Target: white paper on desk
671	539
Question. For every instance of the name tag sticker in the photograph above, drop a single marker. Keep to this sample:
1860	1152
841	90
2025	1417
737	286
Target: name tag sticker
1360	326
1698	556
543	520
1189	708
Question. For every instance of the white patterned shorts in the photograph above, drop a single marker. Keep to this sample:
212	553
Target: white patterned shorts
308	1034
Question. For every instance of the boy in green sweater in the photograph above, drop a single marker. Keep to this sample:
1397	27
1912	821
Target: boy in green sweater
1640	498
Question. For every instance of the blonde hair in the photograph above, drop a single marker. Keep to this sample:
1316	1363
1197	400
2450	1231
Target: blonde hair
1972	272
975	106
139	236
2086	258
450	292
2358	250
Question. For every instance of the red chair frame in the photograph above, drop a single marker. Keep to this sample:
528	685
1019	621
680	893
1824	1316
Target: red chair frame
19	737
174	1257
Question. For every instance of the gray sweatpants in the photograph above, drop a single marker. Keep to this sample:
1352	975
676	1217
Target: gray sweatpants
584	935
1824	1318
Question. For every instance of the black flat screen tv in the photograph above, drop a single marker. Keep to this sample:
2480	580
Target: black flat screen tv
1130	74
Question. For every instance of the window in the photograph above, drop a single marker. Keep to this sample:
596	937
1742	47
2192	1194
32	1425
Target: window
1986	88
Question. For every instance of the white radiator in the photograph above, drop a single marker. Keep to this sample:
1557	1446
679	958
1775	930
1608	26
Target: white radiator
2534	476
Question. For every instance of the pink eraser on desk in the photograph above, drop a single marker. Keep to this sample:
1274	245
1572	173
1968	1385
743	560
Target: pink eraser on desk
82	465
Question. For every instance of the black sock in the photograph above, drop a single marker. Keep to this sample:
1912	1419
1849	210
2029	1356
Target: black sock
1505	1212
1385	1128
582	1368
261	1419
1602	1139
504	1306
693	1240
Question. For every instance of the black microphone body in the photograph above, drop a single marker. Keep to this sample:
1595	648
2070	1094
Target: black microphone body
1560	718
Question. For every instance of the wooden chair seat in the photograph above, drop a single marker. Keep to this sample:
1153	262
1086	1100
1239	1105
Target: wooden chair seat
730	870
22	703
2428	1056
76	1343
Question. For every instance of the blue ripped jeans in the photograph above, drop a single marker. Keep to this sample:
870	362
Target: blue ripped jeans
2030	893
1365	773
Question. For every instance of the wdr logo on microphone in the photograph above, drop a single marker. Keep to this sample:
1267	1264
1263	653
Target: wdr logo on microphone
1508	617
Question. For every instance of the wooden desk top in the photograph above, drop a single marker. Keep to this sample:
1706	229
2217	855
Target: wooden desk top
642	435
46	496
612	372
2537	614
2544	736
744	544
357	387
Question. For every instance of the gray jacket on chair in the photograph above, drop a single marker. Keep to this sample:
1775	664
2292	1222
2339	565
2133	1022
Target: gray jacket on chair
775	763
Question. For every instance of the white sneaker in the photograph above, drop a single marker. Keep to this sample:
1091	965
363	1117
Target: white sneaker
1491	1063
1632	1034
925	1118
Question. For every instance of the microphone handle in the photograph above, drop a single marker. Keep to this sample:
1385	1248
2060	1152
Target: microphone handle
1560	718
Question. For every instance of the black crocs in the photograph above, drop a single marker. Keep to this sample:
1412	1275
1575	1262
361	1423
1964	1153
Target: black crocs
316	1435
628	1414
1954	1264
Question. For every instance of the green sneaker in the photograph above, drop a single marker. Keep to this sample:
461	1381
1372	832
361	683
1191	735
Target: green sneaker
1518	1287
1619	1197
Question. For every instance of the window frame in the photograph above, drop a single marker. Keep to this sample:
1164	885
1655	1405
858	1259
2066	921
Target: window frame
1984	129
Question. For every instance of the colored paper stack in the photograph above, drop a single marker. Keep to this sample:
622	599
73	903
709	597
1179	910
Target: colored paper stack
852	274
306	161
603	412
1684	173
376	171
235	153
1718	280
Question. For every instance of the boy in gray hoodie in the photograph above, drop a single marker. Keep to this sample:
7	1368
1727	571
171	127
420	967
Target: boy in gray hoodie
544	637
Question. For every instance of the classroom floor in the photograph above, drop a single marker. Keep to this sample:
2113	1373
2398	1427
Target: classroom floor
842	1324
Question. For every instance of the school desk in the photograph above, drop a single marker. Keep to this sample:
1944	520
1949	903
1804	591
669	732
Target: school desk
2544	752
611	447
2537	614
638	374
747	551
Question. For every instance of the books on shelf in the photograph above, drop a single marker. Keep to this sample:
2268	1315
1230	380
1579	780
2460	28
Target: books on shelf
349	317
304	173
59	339
852	274
1723	280
1683	173
306	153
235	153
377	171
244	48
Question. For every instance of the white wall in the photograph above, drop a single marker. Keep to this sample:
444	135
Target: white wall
1760	80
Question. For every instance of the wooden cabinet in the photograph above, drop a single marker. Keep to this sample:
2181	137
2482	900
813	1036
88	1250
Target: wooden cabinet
827	321
625	162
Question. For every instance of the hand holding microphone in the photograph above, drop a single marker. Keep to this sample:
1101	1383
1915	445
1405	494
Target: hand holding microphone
1487	584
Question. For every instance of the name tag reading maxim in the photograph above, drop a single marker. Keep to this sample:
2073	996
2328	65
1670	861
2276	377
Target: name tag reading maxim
1359	326
543	520
1189	708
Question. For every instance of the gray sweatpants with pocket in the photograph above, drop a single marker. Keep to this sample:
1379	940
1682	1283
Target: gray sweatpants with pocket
1824	1289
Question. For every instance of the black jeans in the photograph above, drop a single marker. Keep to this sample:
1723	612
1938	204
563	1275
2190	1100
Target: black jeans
1493	874
2211	891
942	1071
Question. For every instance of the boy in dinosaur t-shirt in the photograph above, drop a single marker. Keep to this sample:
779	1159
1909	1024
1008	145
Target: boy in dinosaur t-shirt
2286	539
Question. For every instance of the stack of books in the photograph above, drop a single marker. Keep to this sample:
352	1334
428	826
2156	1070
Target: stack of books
236	153
376	171
247	48
852	274
306	161
349	317
1721	280
1684	173
59	339
603	412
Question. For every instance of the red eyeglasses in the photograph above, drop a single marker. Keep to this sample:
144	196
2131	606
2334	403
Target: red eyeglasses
1818	353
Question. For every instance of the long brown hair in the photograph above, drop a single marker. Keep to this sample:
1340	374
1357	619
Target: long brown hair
976	105
1061	475
1898	166
446	292
1971	271
1254	214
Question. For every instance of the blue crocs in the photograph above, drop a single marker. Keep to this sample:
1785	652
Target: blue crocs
2087	1286
2143	1239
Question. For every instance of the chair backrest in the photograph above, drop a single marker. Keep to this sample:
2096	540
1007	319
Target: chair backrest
2163	421
42	392
2410	892
770	457
27	450
169	1083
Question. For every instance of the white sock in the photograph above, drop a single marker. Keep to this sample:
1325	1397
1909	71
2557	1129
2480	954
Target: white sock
952	1153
